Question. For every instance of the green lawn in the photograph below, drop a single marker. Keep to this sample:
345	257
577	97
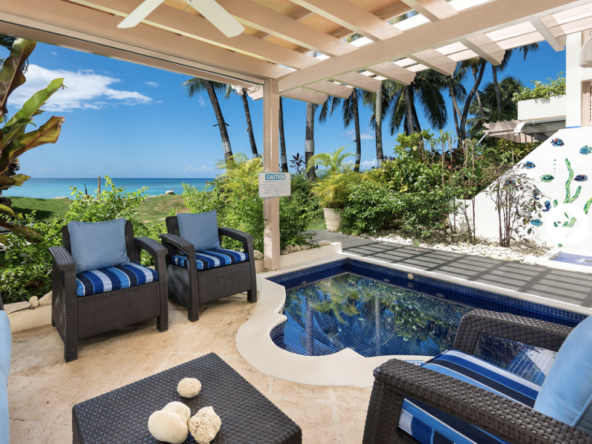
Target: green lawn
154	209
317	224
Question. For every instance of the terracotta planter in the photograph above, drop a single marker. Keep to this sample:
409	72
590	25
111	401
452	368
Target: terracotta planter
333	219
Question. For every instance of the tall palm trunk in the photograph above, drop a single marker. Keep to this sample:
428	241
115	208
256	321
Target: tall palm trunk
249	125
498	94
354	97
457	114
408	107
283	156
463	121
477	94
378	115
309	148
220	118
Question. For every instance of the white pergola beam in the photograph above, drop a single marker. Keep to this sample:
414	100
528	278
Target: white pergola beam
435	60
393	72
352	17
257	16
299	14
478	20
485	48
306	95
358	80
331	89
556	41
433	10
176	20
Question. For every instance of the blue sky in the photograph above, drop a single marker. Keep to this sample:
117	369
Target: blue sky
132	121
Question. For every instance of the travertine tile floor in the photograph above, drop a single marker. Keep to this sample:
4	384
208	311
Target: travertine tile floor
42	388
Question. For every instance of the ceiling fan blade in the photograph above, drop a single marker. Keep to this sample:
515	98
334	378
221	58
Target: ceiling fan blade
140	13
218	16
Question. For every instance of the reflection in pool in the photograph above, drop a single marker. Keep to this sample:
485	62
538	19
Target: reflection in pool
370	317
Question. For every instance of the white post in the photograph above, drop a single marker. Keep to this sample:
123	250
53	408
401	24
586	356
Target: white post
271	162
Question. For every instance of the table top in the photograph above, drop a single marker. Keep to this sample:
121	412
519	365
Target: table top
248	417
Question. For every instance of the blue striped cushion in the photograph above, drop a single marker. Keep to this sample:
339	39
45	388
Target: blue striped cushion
215	257
113	278
430	426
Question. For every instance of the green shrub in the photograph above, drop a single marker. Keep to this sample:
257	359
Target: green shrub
235	197
26	270
554	87
426	211
371	207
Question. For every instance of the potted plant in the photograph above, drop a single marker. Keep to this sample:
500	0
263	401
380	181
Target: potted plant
332	188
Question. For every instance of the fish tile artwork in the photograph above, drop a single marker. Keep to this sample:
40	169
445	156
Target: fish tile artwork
537	194
547	178
557	142
529	165
537	222
585	150
547	206
581	178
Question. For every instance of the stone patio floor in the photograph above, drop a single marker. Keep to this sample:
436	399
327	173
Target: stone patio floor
42	388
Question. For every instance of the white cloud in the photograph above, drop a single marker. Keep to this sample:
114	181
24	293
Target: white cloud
46	169
85	90
54	53
152	84
369	164
365	136
203	169
202	102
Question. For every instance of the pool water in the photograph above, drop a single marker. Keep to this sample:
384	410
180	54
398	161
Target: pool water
378	311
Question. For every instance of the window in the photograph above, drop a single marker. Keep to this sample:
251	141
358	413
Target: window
586	104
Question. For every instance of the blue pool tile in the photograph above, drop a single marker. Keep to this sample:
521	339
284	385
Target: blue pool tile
575	259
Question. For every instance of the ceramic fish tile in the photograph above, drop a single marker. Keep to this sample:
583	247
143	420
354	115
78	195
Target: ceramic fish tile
581	178
557	142
547	206
585	150
547	178
529	165
537	222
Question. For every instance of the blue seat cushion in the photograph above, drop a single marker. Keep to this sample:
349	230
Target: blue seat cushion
429	425
98	245
5	344
213	258
4	418
114	278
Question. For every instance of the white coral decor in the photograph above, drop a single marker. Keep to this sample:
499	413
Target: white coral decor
168	427
180	409
204	425
189	387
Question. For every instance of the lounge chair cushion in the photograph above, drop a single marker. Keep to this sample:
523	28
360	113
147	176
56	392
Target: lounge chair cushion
113	278
98	244
429	425
566	394
216	257
201	229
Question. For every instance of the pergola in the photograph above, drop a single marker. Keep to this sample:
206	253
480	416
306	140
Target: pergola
295	48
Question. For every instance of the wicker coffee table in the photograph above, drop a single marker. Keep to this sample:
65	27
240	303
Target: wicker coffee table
121	416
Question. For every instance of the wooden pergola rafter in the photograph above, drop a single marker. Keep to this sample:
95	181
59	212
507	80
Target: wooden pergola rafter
296	48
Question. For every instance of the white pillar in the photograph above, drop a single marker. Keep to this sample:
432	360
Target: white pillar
271	162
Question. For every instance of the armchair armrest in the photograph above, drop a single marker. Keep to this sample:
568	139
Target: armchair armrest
503	325
240	236
510	421
155	249
1	304
62	260
177	242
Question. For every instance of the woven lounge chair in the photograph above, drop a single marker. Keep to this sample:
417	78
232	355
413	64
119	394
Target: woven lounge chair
191	287
77	316
404	393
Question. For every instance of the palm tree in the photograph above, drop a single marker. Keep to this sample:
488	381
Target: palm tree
309	148
495	108
380	103
283	156
332	162
197	85
350	114
243	93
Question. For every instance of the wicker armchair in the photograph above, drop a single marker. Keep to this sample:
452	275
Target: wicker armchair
508	420
82	317
191	287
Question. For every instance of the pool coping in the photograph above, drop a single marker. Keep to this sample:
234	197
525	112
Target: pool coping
346	367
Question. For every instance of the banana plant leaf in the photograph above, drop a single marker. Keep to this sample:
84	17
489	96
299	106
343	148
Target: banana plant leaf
11	76
12	181
30	234
32	106
48	133
15	130
5	209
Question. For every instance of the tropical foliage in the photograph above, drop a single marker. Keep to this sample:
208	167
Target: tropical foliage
553	87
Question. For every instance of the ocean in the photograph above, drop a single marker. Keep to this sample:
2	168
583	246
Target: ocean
50	188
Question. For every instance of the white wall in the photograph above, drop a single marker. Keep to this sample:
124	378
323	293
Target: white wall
548	159
574	78
541	109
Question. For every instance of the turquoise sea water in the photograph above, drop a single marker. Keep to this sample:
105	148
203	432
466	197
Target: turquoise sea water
50	188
